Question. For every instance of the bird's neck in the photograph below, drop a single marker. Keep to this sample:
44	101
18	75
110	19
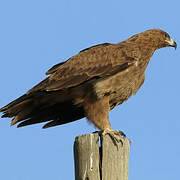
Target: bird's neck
146	47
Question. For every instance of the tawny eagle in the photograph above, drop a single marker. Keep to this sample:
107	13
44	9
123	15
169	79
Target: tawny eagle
89	84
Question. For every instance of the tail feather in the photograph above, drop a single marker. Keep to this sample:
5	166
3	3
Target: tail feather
58	114
32	121
13	103
15	109
42	107
51	124
22	115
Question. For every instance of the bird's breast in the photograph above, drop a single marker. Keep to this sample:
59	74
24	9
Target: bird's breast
120	86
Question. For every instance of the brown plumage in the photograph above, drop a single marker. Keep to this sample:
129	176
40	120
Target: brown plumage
89	84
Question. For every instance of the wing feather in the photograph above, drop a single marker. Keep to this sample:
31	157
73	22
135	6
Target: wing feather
96	62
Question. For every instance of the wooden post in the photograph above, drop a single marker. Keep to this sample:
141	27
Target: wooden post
100	160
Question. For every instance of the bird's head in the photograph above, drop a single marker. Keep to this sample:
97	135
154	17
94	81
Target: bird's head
161	38
156	37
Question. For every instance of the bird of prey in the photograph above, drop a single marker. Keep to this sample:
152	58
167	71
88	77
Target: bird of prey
89	84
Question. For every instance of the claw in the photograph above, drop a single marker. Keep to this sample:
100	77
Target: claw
115	135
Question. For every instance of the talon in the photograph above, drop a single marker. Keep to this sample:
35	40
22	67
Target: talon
115	135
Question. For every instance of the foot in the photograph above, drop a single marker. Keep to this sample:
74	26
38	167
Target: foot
115	135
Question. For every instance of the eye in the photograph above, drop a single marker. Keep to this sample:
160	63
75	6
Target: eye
167	35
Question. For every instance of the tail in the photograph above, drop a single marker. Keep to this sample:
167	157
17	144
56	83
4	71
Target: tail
38	107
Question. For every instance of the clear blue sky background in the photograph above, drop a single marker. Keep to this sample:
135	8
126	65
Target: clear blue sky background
36	34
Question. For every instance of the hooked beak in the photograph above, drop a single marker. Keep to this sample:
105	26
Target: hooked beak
175	45
172	43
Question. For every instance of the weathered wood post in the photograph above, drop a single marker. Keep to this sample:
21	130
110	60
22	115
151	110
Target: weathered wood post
96	160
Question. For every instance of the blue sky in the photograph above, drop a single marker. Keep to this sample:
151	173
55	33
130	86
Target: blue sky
36	34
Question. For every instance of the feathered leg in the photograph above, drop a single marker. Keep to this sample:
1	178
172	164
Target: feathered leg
97	112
